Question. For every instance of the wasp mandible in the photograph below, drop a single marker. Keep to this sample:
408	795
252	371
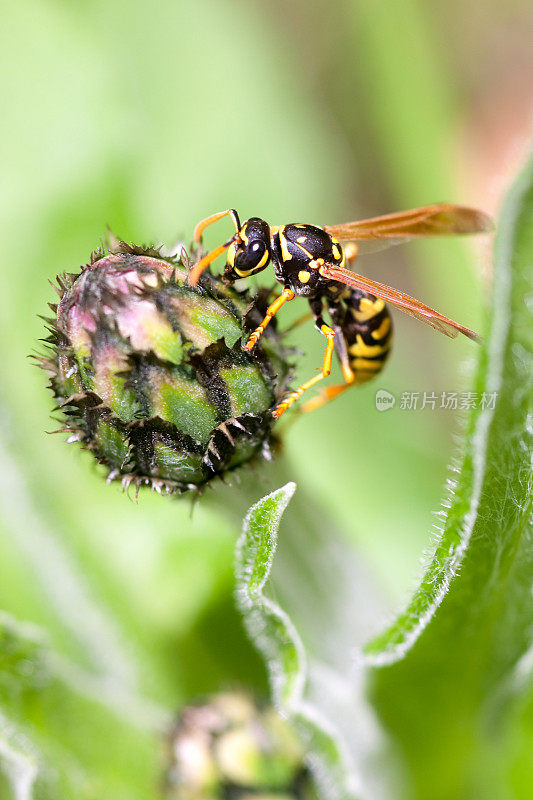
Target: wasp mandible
310	262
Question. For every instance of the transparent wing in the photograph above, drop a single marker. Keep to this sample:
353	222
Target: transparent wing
440	219
399	299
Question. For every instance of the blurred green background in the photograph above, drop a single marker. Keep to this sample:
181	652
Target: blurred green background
146	117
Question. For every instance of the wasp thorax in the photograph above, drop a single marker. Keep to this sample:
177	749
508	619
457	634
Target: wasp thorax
150	373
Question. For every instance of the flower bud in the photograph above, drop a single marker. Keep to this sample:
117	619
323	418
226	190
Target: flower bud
150	374
230	746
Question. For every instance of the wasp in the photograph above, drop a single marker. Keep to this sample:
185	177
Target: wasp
310	261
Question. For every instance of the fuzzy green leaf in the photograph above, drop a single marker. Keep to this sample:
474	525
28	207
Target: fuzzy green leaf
440	672
471	619
281	646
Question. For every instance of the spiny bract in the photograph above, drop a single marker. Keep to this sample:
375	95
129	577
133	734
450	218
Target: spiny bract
230	746
150	374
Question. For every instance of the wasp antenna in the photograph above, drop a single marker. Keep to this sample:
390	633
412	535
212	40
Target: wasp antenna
200	228
235	218
200	266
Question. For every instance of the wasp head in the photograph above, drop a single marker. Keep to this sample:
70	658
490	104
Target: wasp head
250	252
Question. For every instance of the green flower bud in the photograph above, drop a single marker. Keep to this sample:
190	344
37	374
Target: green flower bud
150	374
230	746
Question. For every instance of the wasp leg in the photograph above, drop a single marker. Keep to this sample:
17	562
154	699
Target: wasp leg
337	313
272	310
325	396
329	333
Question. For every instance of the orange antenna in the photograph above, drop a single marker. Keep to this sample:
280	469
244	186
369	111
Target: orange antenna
201	265
200	228
195	271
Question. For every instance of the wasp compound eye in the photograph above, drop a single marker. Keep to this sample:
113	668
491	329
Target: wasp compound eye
251	258
150	375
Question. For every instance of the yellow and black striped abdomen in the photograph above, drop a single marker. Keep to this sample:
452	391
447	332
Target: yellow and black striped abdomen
367	330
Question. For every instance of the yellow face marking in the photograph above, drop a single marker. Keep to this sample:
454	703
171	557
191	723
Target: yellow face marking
283	243
243	273
362	350
300	225
232	250
383	329
304	276
242	233
301	239
334	240
263	261
336	251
